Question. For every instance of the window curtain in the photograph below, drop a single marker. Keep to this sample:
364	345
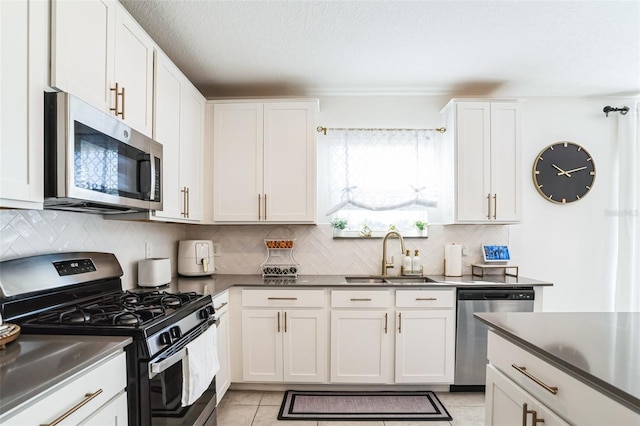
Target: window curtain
627	284
380	170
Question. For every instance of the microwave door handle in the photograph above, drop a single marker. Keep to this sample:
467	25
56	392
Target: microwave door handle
145	166
156	368
152	186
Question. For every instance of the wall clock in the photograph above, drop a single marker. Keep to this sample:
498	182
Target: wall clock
564	172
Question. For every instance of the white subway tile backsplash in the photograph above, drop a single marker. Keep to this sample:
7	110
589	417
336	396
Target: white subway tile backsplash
31	232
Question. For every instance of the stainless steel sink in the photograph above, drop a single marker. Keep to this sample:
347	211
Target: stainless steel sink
408	280
366	280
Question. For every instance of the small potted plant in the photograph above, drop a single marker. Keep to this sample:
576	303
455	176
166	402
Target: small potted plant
339	225
421	226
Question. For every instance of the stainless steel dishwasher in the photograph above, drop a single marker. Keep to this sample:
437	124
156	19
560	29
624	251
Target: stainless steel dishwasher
471	334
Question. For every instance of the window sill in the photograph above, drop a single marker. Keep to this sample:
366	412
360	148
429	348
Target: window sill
347	235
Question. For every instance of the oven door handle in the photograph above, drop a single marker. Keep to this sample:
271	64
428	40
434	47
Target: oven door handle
156	368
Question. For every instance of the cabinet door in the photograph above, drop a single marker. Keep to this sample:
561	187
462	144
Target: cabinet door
82	41
133	65
361	346
505	160
290	162
237	159
223	377
425	346
508	404
305	346
473	134
23	35
261	345
168	88
191	133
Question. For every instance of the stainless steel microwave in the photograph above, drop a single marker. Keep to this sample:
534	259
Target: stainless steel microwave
95	163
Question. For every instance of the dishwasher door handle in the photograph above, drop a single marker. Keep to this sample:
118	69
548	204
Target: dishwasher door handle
496	296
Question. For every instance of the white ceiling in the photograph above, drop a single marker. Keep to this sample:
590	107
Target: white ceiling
455	48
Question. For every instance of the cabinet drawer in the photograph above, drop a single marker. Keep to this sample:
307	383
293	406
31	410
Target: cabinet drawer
108	377
283	298
444	298
574	400
360	299
221	303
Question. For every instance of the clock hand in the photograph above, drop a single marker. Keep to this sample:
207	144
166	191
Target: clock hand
574	170
562	172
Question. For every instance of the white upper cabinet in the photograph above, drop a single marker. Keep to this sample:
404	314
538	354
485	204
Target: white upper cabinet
488	165
101	55
264	156
23	36
179	127
133	72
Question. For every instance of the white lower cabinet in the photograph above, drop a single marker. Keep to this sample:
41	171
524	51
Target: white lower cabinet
284	336
507	404
223	377
361	336
94	396
516	377
425	336
361	342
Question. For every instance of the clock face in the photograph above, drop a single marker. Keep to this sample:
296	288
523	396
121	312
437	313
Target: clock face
564	172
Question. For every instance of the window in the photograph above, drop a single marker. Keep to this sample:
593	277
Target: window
382	178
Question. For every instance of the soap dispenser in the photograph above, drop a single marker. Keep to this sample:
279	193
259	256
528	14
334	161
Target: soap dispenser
415	263
406	263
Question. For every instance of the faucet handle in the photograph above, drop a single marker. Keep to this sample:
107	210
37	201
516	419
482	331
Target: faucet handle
389	264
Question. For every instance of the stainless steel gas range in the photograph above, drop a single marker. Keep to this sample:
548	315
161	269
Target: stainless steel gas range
81	293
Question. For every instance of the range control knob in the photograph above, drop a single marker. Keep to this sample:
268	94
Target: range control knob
165	338
206	312
176	333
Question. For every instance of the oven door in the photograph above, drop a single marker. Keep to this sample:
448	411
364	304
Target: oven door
165	392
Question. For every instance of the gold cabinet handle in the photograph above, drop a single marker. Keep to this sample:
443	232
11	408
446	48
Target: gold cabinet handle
386	322
278	322
123	102
265	206
79	405
285	321
222	305
488	206
495	206
188	201
355	299
534	415
259	206
426	298
184	201
118	93
551	389
399	322
282	298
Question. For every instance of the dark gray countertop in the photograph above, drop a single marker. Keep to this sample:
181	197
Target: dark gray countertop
218	283
601	349
34	363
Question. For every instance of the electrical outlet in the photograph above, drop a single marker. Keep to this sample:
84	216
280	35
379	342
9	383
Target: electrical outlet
147	250
217	249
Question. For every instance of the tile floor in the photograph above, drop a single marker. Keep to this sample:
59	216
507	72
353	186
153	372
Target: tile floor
255	408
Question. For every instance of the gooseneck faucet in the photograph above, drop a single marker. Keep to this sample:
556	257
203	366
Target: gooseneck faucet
386	265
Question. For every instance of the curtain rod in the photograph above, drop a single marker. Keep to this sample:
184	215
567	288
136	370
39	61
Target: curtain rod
623	111
324	129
